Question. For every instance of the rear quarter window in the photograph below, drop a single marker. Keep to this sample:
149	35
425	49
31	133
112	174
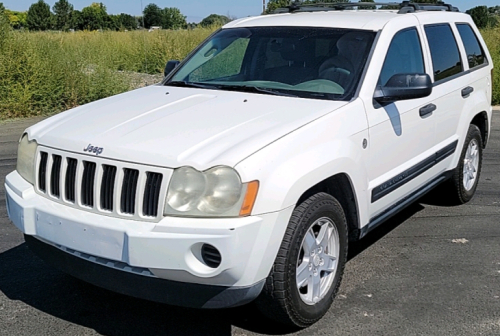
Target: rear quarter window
475	53
444	51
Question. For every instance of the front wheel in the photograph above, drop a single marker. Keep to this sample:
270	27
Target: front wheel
308	269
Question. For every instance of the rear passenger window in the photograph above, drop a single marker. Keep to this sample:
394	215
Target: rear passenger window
475	53
444	51
403	57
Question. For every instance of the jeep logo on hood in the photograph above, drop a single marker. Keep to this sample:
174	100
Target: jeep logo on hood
93	149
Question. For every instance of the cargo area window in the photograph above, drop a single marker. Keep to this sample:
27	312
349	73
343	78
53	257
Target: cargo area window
475	53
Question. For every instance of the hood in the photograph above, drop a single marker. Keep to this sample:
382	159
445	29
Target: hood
173	127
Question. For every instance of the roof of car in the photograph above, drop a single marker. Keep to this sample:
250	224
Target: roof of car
350	19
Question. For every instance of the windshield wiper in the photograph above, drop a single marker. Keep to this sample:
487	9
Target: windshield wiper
255	89
242	88
190	85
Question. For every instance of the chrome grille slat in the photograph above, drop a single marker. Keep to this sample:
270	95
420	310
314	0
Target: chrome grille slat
107	187
42	171
55	176
152	194
89	169
70	180
93	184
129	191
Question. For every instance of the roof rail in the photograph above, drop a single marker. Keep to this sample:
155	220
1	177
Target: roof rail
410	7
404	7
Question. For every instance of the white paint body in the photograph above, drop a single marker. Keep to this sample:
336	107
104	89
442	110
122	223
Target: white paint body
287	144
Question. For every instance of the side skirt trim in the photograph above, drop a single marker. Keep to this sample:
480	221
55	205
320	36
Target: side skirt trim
403	203
399	180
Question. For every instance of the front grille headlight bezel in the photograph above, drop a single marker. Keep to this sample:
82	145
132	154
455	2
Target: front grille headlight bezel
26	155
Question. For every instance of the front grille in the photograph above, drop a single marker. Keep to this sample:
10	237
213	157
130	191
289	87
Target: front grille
129	191
100	185
55	175
107	187
88	183
42	172
152	194
71	179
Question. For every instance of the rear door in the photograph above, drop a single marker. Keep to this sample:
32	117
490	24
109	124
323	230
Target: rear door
450	90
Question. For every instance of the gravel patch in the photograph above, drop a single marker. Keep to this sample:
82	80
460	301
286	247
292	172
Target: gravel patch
139	80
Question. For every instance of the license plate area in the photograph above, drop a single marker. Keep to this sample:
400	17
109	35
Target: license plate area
97	241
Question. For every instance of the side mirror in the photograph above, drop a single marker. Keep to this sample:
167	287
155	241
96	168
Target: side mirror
404	87
171	65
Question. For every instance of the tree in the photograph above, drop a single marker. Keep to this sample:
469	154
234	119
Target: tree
153	16
39	16
272	5
62	10
127	21
94	17
495	10
4	20
480	16
367	7
173	19
17	20
4	26
76	20
140	21
112	22
214	20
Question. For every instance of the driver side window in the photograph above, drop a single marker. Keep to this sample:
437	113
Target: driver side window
224	63
404	56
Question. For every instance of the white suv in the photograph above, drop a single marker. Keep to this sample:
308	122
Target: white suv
247	171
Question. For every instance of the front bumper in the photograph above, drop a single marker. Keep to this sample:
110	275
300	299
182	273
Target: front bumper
149	288
167	250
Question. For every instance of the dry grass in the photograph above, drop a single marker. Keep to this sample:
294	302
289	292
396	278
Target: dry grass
45	73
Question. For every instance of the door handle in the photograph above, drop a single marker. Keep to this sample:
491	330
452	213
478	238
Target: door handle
467	91
426	111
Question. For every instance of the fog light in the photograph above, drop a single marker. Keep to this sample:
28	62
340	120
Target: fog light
211	256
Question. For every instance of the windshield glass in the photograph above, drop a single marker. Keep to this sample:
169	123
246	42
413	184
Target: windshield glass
320	63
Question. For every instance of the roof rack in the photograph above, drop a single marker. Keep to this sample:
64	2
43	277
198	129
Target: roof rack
404	7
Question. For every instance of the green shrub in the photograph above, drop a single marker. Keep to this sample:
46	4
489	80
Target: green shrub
492	38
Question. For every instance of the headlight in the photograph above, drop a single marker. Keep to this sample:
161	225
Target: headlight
217	192
26	159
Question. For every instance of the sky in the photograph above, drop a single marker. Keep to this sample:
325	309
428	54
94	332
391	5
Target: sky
196	10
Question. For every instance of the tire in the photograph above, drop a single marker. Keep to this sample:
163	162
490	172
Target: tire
320	266
463	184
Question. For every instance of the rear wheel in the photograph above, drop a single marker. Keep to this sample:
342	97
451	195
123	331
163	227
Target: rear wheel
308	269
463	184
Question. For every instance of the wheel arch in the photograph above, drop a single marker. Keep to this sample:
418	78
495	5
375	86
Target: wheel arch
481	121
339	186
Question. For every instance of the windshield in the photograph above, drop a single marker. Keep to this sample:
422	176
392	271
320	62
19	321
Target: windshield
320	63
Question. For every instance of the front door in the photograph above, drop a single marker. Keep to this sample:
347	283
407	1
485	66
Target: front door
402	134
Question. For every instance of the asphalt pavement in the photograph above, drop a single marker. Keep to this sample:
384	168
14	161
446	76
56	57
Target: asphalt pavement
432	270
